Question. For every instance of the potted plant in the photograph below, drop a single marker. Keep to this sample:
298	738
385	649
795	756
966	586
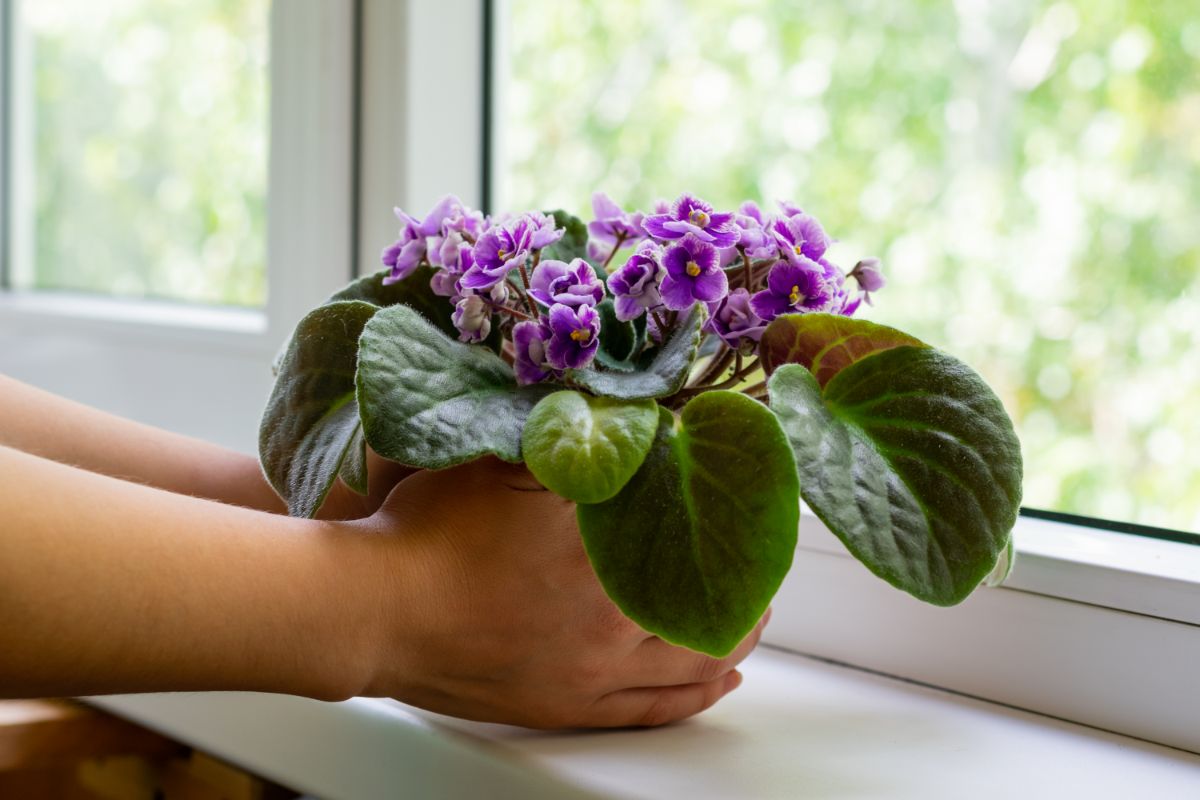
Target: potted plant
685	377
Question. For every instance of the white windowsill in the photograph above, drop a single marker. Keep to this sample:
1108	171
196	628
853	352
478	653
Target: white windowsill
1125	572
37	313
797	728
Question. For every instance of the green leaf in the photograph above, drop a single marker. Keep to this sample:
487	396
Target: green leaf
311	420
618	339
665	373
413	291
429	401
354	466
909	458
696	544
573	244
586	448
826	343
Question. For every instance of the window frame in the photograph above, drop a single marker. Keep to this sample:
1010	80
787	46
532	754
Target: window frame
311	240
1091	625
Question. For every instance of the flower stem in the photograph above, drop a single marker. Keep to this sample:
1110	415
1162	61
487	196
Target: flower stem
720	362
662	326
749	269
533	309
612	255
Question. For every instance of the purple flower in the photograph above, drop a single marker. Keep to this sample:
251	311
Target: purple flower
444	282
693	215
693	273
405	254
473	318
635	286
612	223
574	336
505	247
733	319
571	284
799	235
463	226
529	352
869	276
599	252
796	288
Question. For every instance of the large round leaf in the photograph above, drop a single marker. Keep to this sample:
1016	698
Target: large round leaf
432	402
586	448
664	372
826	343
909	458
310	425
696	544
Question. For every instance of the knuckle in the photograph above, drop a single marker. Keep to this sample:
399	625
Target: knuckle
659	712
707	669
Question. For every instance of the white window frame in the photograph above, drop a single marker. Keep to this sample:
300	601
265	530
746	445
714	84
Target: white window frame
151	360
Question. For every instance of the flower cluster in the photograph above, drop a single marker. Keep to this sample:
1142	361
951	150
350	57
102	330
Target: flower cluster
747	266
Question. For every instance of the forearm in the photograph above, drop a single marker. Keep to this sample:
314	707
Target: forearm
58	429
107	586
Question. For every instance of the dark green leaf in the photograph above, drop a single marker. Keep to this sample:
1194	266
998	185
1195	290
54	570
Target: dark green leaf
665	373
413	292
826	343
696	544
429	401
573	244
586	448
354	466
311	420
909	458
617	339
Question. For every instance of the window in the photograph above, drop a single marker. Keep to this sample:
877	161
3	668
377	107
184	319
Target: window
1028	171
141	143
176	188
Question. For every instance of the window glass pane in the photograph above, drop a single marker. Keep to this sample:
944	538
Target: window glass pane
146	123
1029	171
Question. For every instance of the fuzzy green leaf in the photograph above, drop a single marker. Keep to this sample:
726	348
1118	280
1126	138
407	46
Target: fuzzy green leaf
573	244
587	448
311	421
429	401
413	292
663	375
697	543
826	343
618	339
910	459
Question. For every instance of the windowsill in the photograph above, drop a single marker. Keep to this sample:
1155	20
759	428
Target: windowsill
796	728
220	327
1125	572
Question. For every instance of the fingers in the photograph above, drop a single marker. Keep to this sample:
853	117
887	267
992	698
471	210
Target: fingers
657	663
658	706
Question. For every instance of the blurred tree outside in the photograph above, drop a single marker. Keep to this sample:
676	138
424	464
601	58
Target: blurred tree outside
149	134
1029	172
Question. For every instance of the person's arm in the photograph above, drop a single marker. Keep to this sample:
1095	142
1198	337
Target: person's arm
467	593
43	424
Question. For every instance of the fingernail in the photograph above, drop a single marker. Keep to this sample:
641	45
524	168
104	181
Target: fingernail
732	681
767	616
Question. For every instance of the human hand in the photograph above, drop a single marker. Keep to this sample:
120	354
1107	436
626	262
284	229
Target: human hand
343	503
488	609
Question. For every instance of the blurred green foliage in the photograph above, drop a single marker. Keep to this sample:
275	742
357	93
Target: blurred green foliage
1029	172
149	142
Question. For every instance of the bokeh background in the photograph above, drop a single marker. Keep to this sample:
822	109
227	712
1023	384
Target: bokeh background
1029	172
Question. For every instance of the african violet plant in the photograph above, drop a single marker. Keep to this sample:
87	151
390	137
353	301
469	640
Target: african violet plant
684	377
